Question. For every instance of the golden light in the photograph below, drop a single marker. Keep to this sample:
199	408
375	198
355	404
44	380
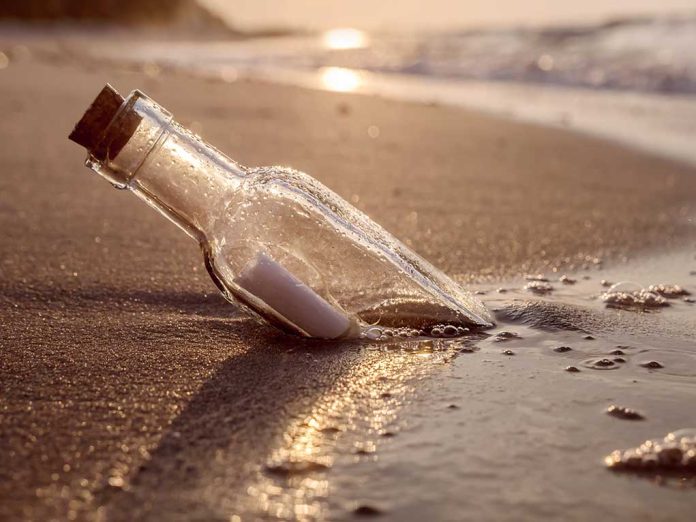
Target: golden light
345	38
347	418
340	79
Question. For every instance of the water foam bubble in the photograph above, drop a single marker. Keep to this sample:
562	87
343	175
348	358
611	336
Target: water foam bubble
631	295
676	452
539	287
668	291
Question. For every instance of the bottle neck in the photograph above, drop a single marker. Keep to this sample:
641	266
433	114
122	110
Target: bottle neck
187	180
172	169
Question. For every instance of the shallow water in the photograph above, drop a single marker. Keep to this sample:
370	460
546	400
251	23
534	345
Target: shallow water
495	426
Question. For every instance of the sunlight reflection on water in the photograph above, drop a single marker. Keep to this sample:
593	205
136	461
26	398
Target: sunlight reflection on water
340	79
345	38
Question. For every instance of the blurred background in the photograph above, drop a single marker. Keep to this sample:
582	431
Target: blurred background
622	69
632	44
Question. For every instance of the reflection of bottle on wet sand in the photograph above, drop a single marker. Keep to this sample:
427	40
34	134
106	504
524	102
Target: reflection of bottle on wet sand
274	239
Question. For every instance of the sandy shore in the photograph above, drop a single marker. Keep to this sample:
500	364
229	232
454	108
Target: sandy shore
130	388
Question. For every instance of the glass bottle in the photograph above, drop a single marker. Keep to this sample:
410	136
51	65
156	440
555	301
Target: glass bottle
274	239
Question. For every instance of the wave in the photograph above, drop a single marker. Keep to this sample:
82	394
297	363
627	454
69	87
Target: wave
640	54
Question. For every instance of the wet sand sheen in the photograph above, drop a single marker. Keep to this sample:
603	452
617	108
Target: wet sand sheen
126	385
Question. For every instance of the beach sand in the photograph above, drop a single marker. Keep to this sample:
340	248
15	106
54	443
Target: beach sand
131	389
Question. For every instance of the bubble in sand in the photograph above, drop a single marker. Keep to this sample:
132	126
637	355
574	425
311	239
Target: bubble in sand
562	349
653	365
617	352
600	364
621	412
675	453
373	333
567	280
508	352
378	333
631	296
538	287
450	331
572	369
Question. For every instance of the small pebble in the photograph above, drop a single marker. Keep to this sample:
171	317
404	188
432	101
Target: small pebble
653	365
343	109
572	369
689	300
508	352
606	283
604	362
567	280
589	338
501	290
562	349
621	412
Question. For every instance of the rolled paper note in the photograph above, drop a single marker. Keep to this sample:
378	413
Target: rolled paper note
271	282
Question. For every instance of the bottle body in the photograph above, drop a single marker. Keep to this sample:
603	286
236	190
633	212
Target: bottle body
281	243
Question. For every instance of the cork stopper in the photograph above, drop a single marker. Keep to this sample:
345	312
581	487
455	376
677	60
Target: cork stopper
90	129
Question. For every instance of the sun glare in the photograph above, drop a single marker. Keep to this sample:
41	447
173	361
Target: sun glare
345	39
340	79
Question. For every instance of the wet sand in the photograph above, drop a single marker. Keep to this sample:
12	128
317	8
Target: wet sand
131	389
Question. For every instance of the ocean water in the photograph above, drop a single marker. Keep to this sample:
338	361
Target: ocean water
648	55
632	81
